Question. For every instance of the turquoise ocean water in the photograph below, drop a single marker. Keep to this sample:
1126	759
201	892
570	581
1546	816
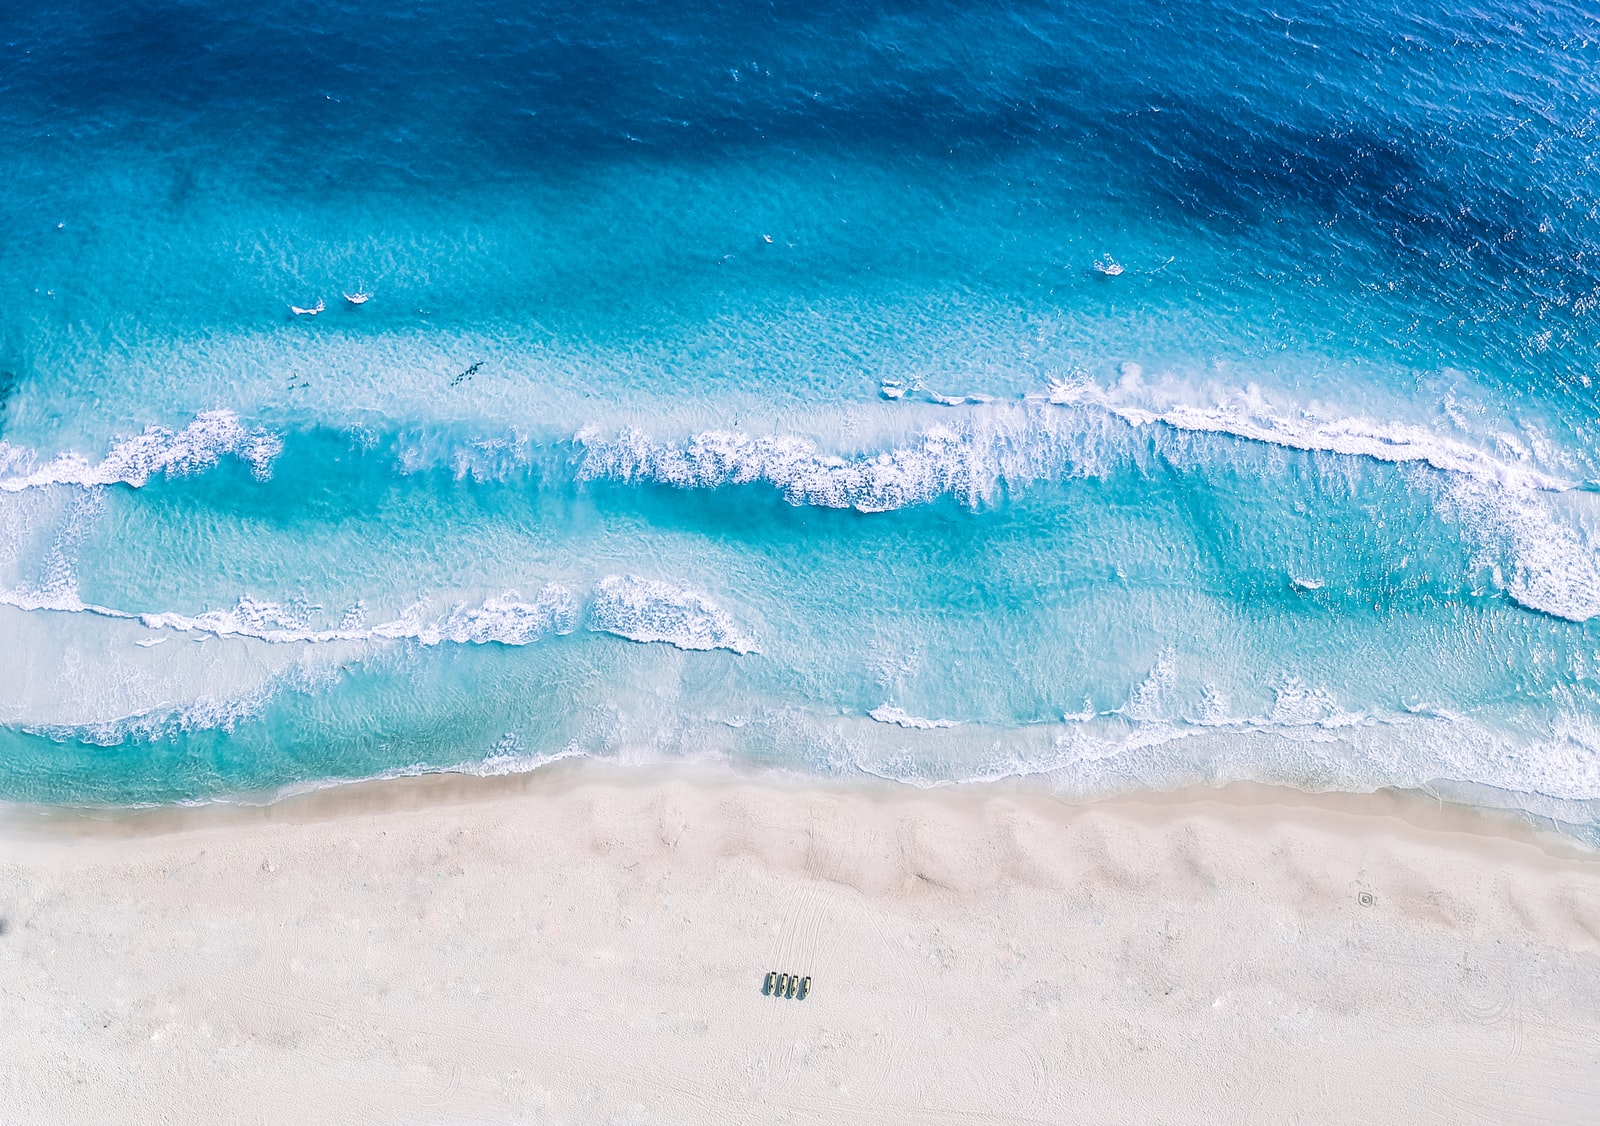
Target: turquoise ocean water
1129	394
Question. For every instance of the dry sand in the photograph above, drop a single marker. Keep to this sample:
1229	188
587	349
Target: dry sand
587	945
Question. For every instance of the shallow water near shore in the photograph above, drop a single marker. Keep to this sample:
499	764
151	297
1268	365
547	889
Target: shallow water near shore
936	393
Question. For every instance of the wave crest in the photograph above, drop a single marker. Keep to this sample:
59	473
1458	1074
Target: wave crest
1248	416
1009	443
212	436
1507	504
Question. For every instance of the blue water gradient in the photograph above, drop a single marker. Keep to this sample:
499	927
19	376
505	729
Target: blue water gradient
1128	394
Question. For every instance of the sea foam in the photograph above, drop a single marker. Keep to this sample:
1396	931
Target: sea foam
967	460
899	717
648	610
638	609
201	444
506	620
1506	503
1247	415
1019	442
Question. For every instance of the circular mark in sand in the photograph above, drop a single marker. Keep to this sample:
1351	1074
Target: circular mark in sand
1366	899
1485	996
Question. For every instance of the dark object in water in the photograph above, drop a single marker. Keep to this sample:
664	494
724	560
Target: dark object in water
466	375
766	986
805	987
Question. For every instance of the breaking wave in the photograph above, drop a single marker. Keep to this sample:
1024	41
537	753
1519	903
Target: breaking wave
647	610
201	444
1079	428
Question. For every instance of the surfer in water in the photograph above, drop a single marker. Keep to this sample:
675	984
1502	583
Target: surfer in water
311	312
359	297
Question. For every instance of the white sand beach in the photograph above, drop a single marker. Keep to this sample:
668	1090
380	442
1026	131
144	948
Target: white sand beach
587	945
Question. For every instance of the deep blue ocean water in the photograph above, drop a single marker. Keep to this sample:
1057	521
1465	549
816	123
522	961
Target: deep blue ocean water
1132	394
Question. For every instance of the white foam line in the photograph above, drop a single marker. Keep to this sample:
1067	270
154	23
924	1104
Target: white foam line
65	604
1358	437
642	610
1002	444
495	765
1555	570
506	620
1010	442
133	461
900	718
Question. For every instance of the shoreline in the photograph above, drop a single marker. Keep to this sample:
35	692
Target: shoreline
410	792
587	943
